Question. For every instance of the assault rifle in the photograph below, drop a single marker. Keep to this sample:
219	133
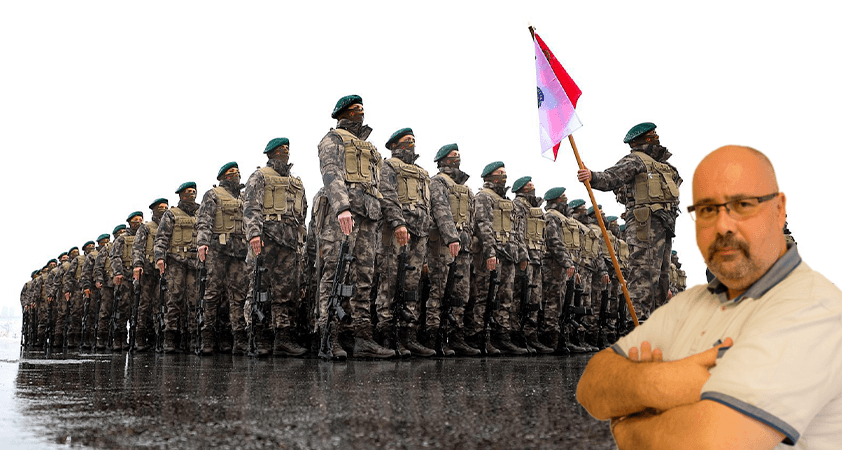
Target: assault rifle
424	286
602	338
490	307
86	309
525	286
24	330
338	291
48	332
400	313
115	318
448	301
96	318
259	303
160	315
67	320
372	298
200	311
133	317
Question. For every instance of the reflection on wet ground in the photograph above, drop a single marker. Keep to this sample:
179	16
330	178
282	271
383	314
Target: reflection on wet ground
183	401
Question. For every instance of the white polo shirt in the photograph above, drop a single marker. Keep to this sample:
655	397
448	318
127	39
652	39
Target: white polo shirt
785	367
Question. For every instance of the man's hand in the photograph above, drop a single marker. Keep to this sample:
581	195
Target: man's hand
256	244
161	265
136	272
98	285
523	264
669	294
402	235
346	222
571	271
454	249
203	252
118	279
87	293
491	263
67	296
605	279
583	174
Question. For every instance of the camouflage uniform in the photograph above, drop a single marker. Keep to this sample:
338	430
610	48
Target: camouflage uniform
103	276
42	305
143	256
534	235
71	285
60	304
121	264
219	223
353	188
275	208
649	188
562	244
87	285
175	242
499	229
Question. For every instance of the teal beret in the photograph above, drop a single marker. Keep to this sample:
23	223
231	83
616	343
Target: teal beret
623	227
62	254
71	250
186	185
491	168
134	214
610	219
674	252
345	102
576	203
51	261
225	168
275	143
34	272
118	228
554	193
590	210
397	135
158	202
444	151
103	236
521	182
638	130
92	242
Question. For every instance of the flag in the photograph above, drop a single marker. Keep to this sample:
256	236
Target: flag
557	97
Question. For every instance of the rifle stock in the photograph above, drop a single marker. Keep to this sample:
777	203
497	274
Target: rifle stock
338	291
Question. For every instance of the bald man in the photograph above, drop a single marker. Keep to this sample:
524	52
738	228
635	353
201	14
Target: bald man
750	360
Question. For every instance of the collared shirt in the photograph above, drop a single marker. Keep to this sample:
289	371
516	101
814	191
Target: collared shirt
785	367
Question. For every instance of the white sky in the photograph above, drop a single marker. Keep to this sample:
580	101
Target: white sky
105	106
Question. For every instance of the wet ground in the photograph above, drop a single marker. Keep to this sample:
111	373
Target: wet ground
183	401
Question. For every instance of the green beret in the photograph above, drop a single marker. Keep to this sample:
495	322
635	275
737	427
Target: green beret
103	236
51	261
134	214
674	252
62	254
397	135
638	130
71	250
158	202
34	272
225	168
590	210
623	227
521	182
444	151
118	228
491	168
275	143
576	203
186	185
554	193
92	242
345	102
610	219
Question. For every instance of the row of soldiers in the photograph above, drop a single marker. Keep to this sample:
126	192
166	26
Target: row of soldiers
421	264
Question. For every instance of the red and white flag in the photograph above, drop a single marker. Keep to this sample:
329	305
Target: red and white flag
557	97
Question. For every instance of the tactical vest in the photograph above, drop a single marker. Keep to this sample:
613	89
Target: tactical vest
501	217
283	197
459	196
622	250
571	234
229	213
535	225
93	254
682	278
183	233
128	243
413	184
109	273
80	264
152	226
590	244
362	162
656	185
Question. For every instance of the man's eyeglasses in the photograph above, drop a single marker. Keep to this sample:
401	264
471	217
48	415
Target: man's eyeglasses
739	209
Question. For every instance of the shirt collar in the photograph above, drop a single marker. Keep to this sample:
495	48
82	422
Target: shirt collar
782	267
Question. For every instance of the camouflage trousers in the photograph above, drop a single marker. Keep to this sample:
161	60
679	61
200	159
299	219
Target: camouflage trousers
437	261
554	284
88	336
281	280
182	289
60	309
506	276
387	266
73	313
148	300
649	265
106	309
41	311
227	283
363	245
533	276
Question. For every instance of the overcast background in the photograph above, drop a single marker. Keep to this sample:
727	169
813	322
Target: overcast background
105	106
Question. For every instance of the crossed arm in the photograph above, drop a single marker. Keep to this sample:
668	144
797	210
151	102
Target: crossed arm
656	404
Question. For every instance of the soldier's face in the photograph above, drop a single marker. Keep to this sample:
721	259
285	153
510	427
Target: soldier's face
355	112
407	143
135	222
188	195
160	208
529	188
64	258
73	254
104	242
498	176
280	153
453	159
52	265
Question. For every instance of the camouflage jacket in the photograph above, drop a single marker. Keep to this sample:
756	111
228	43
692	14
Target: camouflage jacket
417	219
117	263
70	283
53	282
287	232
100	271
35	295
344	196
440	194
139	258
163	236
522	204
620	178
87	279
233	244
556	250
24	293
514	250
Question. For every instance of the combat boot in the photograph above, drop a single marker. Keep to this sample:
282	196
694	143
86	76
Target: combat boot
409	340
241	345
386	338
169	341
284	346
520	340
207	343
140	344
364	347
72	340
540	348
503	342
337	353
431	336
101	342
459	346
575	345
